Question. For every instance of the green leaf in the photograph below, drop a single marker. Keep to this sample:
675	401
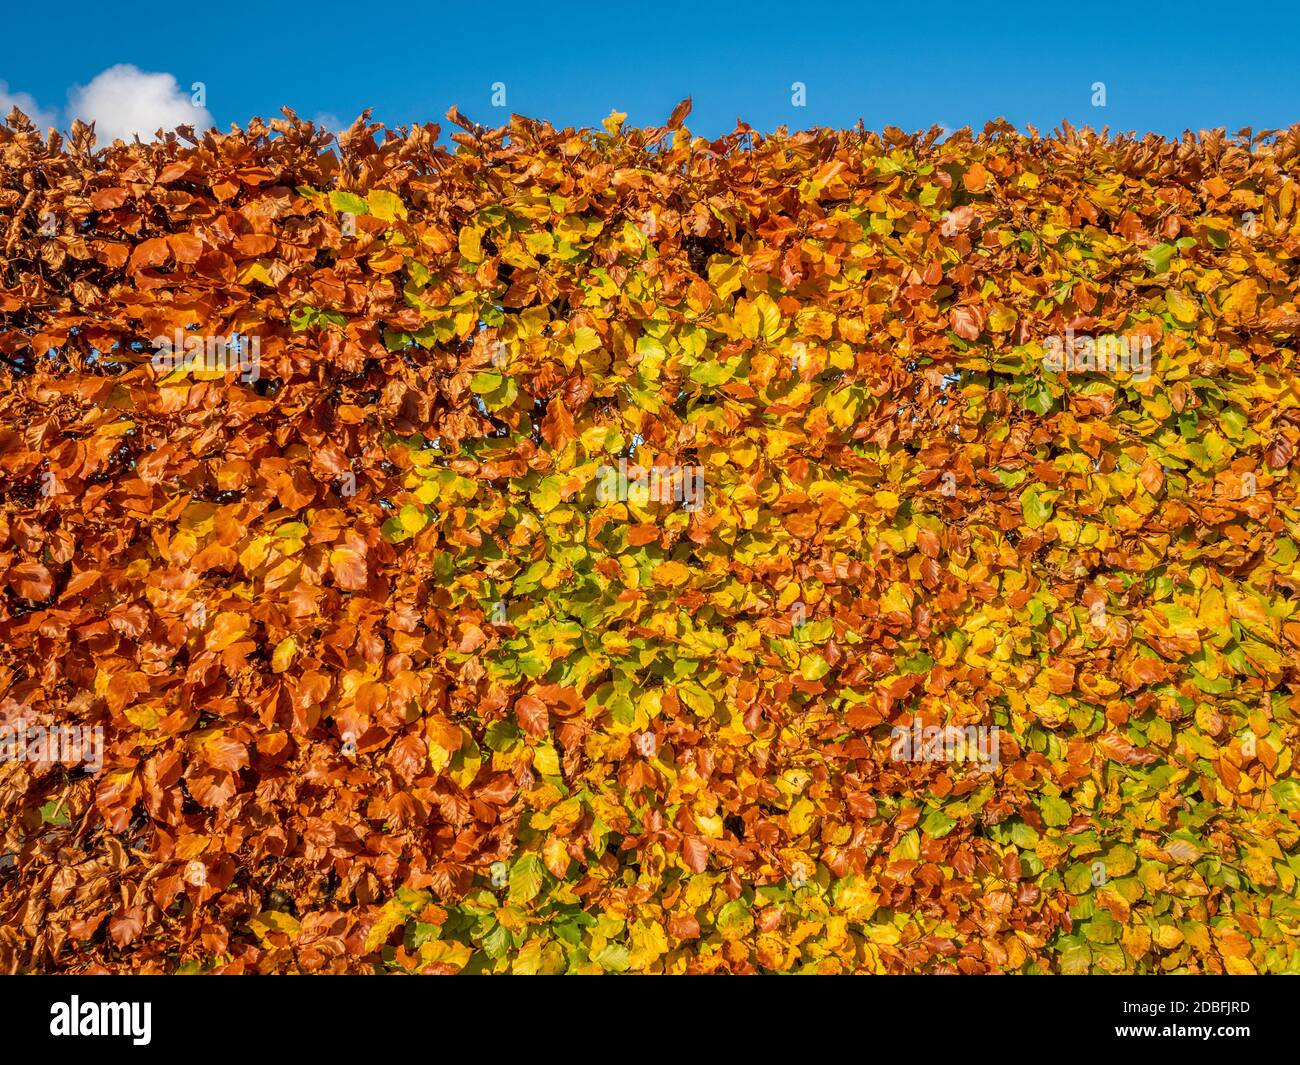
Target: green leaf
623	710
735	918
1078	879
937	824
1055	811
496	942
612	957
52	813
348	203
1287	794
814	667
502	735
1023	835
917	663
526	877
1035	509
710	373
1158	258
1037	398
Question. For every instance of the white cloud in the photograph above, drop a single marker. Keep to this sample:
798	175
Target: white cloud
329	121
125	101
25	103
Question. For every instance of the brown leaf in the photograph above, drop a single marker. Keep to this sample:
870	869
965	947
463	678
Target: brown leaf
967	322
532	715
126	926
1280	451
31	580
695	853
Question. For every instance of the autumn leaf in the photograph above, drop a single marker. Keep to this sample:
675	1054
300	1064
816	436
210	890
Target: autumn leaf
348	566
950	628
532	715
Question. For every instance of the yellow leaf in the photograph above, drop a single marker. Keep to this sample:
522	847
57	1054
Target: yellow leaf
546	760
470	243
227	629
386	206
649	942
1183	309
283	654
438	952
801	816
671	574
273	921
1001	319
1241	298
1168	937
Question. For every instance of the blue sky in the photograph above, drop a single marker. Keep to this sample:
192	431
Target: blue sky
1166	67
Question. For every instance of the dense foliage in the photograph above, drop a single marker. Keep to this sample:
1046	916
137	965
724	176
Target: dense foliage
394	675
